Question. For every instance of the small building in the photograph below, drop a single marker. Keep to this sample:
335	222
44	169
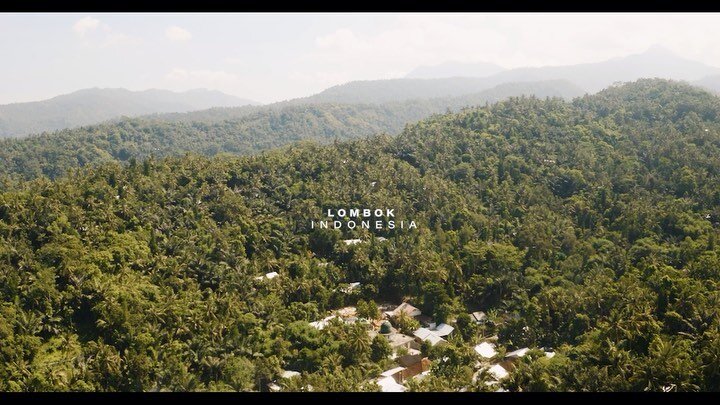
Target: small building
395	373
498	372
486	350
479	317
398	340
441	330
425	334
414	364
405	308
350	242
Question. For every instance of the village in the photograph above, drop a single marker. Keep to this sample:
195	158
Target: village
409	360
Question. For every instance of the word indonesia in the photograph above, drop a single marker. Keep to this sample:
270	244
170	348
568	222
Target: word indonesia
364	218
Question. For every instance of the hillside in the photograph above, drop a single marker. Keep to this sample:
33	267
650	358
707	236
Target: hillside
242	130
91	106
588	228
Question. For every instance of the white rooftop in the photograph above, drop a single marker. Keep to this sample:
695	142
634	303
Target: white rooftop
428	335
486	350
269	276
352	241
498	372
443	330
289	374
388	384
320	325
518	353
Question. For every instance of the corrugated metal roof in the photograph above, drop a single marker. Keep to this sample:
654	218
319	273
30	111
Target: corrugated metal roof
486	349
443	330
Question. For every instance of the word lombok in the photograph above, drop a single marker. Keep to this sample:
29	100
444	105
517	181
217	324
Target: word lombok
364	218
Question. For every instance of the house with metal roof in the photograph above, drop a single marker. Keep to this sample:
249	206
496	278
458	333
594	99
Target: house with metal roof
425	334
486	350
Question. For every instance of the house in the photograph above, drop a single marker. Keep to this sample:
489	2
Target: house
498	372
388	384
414	364
486	350
441	330
350	242
479	317
398	340
425	334
405	308
395	373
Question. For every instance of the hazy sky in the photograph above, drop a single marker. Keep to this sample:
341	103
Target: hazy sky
271	57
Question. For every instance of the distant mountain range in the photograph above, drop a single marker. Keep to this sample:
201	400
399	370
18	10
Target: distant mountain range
451	83
445	81
238	130
657	62
91	106
455	69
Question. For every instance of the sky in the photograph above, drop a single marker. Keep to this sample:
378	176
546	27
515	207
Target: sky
271	57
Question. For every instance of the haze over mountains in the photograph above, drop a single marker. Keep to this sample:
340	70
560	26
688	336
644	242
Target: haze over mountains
90	106
457	79
455	69
446	86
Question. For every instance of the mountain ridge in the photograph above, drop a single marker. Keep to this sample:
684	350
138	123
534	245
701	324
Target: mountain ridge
94	105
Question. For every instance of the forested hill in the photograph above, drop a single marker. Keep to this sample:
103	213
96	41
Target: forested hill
91	106
241	130
588	227
398	90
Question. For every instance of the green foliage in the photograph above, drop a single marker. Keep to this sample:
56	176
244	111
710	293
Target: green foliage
568	225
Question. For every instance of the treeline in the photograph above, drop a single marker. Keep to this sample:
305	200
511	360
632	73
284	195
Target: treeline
241	130
590	227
